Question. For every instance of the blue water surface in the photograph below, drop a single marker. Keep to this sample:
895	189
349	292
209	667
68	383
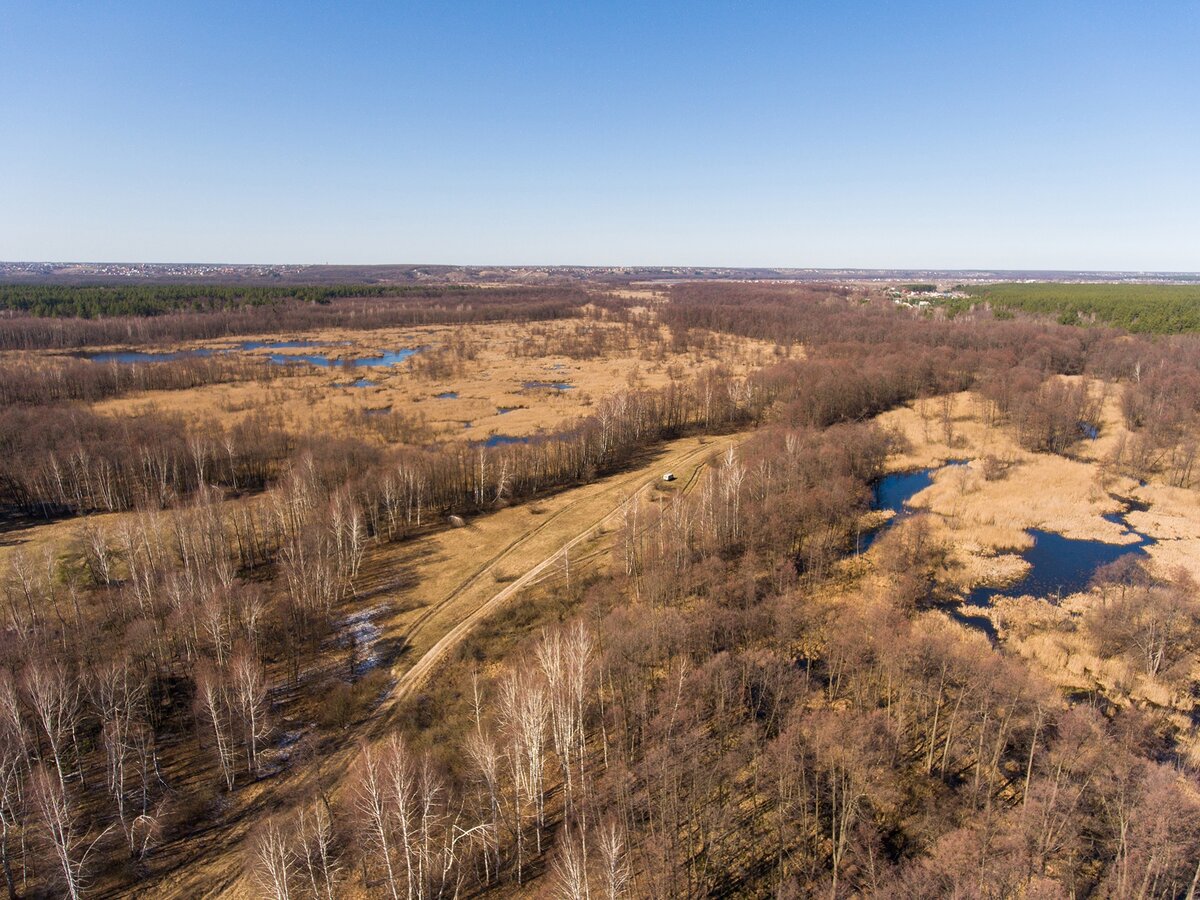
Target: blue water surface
892	492
1058	565
140	356
501	440
548	385
385	358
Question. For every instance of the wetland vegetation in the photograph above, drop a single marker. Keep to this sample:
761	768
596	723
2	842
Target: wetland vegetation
305	641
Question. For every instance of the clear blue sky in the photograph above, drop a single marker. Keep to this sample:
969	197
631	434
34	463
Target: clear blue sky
958	134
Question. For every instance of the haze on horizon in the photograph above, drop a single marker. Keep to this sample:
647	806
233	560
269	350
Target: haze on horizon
890	135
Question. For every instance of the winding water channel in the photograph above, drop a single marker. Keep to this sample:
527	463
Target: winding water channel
1058	565
381	359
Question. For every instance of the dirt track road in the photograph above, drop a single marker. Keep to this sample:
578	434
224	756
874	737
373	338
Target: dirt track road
415	677
540	549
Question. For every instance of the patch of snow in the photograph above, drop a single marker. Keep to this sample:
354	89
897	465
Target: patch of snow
359	632
288	738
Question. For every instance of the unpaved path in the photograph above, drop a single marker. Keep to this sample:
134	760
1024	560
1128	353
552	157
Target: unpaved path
537	550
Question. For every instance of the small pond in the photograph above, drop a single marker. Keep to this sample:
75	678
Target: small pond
892	492
548	386
387	358
360	383
446	395
1060	566
502	440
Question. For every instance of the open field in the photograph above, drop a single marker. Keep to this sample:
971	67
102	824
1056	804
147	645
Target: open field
572	524
464	383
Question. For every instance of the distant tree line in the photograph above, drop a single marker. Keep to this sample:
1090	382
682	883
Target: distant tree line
1011	362
21	329
103	301
1148	308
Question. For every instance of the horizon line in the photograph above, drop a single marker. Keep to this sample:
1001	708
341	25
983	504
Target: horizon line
611	266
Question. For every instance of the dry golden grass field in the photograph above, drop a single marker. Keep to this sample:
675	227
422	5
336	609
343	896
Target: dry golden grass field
466	382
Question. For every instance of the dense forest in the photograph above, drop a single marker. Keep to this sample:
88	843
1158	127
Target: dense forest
186	316
1150	308
105	301
721	709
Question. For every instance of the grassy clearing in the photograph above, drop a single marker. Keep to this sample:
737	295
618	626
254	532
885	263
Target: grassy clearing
482	366
459	574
